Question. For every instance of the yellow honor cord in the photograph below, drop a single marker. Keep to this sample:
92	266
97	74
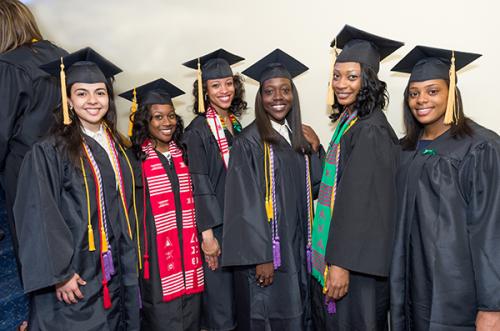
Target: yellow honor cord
66	119
267	176
89	224
325	276
134	206
201	103
330	99
451	115
133	109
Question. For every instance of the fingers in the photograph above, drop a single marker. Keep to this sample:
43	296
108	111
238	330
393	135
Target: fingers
81	281
212	261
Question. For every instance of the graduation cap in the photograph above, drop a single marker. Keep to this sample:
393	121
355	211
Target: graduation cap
275	64
214	65
158	91
83	66
427	63
362	47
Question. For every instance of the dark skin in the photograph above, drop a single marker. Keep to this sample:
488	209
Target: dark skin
264	274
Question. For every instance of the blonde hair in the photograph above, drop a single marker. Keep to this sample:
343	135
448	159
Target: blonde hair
17	25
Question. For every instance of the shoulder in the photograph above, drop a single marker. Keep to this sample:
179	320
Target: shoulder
28	58
374	126
198	124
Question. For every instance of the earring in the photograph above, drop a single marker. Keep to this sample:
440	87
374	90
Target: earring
70	107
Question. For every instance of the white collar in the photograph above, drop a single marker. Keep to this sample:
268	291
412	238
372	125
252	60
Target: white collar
92	134
283	129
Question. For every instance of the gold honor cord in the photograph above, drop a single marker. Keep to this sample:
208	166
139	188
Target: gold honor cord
89	223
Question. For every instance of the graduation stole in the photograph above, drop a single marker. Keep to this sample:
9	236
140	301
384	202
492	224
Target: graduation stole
105	253
326	198
175	280
271	206
217	129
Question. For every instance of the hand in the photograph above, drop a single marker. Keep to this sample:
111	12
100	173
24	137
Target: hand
23	326
69	290
488	321
337	282
311	137
264	274
211	249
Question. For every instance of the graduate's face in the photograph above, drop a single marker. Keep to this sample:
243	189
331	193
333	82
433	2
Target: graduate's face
428	100
90	103
277	98
162	125
347	82
220	93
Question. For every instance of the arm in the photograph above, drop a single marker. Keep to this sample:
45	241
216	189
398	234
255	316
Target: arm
480	175
46	242
14	89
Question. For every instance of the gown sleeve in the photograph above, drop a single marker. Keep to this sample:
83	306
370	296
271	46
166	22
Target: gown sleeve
46	243
208	210
480	178
14	87
247	235
360	237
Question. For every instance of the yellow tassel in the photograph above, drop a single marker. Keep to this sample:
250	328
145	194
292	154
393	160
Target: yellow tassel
104	243
201	103
133	109
66	118
325	275
91	238
451	115
269	209
330	99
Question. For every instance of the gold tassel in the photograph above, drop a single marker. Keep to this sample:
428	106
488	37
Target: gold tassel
133	109
451	115
67	120
104	243
325	276
330	99
201	103
91	238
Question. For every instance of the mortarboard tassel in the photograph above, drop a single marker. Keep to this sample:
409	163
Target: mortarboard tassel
105	293
451	116
330	99
133	109
146	266
201	103
64	97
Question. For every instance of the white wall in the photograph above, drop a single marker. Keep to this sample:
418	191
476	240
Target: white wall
151	38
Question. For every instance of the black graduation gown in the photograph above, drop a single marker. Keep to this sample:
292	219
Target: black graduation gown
51	218
179	314
209	181
362	227
446	263
29	95
285	304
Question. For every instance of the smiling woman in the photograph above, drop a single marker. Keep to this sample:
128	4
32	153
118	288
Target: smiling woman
164	188
78	258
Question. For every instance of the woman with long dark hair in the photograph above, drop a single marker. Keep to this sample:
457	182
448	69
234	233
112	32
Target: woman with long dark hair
171	277
74	209
219	101
354	219
29	95
273	170
446	266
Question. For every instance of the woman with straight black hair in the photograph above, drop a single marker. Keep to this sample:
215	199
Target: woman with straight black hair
446	266
354	220
273	172
74	209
